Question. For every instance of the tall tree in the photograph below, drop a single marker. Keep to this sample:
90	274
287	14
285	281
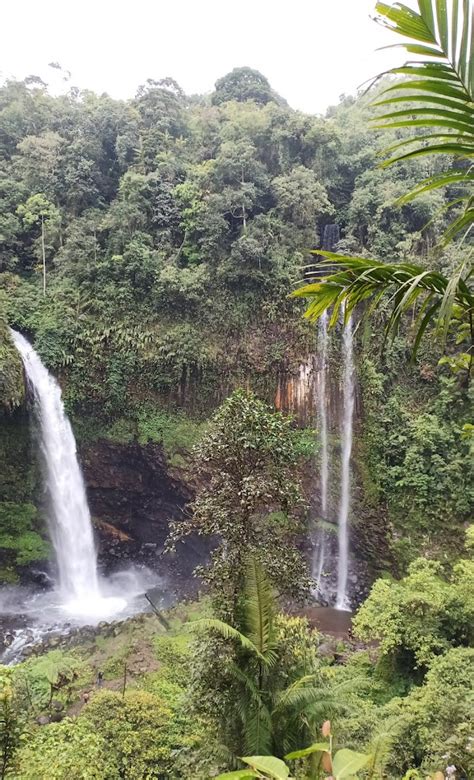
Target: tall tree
248	500
243	84
39	211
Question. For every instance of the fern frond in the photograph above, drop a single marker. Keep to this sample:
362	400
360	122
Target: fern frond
227	632
259	610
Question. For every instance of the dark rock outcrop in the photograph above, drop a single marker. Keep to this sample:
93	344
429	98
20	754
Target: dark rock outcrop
134	496
130	489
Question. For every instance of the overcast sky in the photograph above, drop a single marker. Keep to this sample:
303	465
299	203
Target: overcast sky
310	50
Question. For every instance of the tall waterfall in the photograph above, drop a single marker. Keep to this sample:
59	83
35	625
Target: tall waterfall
322	411
342	601
69	517
323	415
331	555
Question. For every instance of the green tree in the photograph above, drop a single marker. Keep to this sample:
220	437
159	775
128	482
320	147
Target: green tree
248	500
38	210
274	695
421	616
240	179
301	199
243	84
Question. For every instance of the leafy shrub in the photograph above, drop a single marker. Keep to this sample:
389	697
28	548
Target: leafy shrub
433	726
422	615
12	387
66	750
53	674
138	729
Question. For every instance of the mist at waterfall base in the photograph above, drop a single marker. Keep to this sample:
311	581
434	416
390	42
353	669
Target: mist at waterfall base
79	595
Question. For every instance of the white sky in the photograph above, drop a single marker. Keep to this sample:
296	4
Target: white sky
310	50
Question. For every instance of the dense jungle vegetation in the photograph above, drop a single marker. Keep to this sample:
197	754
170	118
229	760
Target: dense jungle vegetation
174	228
148	248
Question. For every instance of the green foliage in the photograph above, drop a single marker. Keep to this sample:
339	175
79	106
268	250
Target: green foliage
60	751
242	84
247	457
421	616
268	666
173	229
17	534
12	724
50	675
176	432
442	101
450	299
343	763
431	728
414	461
12	387
138	727
444	92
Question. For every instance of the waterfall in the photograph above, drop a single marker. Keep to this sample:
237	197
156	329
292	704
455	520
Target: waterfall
331	556
68	517
342	601
323	340
321	391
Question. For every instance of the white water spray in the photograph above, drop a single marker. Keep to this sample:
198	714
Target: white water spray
69	517
344	505
321	389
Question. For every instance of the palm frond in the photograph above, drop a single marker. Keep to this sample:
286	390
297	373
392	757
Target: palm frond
360	278
298	694
251	689
258	731
227	632
379	754
441	86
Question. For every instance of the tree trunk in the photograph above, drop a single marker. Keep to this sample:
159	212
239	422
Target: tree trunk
244	216
44	255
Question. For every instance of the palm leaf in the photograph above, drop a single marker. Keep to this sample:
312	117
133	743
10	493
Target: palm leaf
436	181
441	89
252	692
443	84
379	754
227	632
361	278
298	694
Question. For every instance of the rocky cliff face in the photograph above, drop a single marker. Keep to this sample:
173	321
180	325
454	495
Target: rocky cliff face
130	488
133	497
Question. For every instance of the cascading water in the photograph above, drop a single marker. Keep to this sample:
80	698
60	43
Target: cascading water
342	601
321	391
69	517
331	555
322	551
